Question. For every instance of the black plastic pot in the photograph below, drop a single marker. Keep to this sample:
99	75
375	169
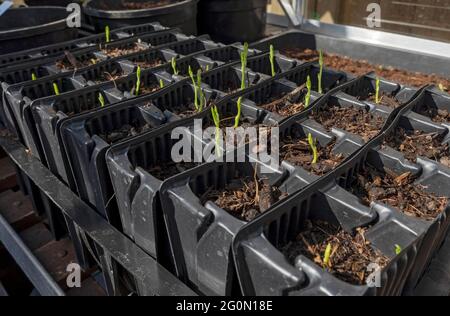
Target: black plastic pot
231	21
181	14
25	28
76	44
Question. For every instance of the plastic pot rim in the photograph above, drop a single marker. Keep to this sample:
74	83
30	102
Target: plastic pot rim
140	13
29	31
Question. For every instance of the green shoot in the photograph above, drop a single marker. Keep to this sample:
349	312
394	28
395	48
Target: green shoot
237	119
191	74
216	119
308	94
138	80
207	68
272	60
101	100
200	91
173	63
441	87
161	83
377	91
33	76
312	144
107	34
319	76
55	88
327	255
244	55
398	249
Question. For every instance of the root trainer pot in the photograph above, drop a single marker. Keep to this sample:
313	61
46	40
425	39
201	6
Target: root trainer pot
24	28
172	13
233	20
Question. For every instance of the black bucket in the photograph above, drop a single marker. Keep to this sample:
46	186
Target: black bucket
176	13
25	28
231	21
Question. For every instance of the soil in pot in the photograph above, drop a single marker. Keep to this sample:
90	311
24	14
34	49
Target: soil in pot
245	197
290	104
298	152
436	115
350	254
413	143
117	52
166	170
399	191
359	68
149	64
66	64
353	120
109	76
385	100
125	131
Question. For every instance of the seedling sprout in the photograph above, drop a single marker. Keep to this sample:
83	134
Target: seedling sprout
327	255
244	55
377	91
138	80
107	34
319	77
441	87
308	94
173	63
313	146
161	83
237	119
55	88
101	100
216	119
33	76
398	249
272	60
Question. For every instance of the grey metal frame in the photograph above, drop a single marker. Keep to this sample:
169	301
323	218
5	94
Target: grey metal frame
143	267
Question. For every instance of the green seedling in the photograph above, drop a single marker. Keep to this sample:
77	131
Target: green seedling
319	76
398	249
107	34
216	119
55	88
173	63
313	146
138	80
207	68
377	91
101	100
161	83
272	60
198	92
308	94
237	119
441	87
327	255
244	56
33	76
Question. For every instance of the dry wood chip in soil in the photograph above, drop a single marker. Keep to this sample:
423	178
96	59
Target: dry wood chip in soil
398	191
288	105
436	115
350	119
359	68
350	254
416	143
166	170
298	152
245	198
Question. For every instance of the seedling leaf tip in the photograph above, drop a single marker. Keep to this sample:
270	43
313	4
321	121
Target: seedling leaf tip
173	63
327	255
398	249
237	119
55	88
272	60
107	34
101	100
377	91
312	144
308	93
33	76
244	56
